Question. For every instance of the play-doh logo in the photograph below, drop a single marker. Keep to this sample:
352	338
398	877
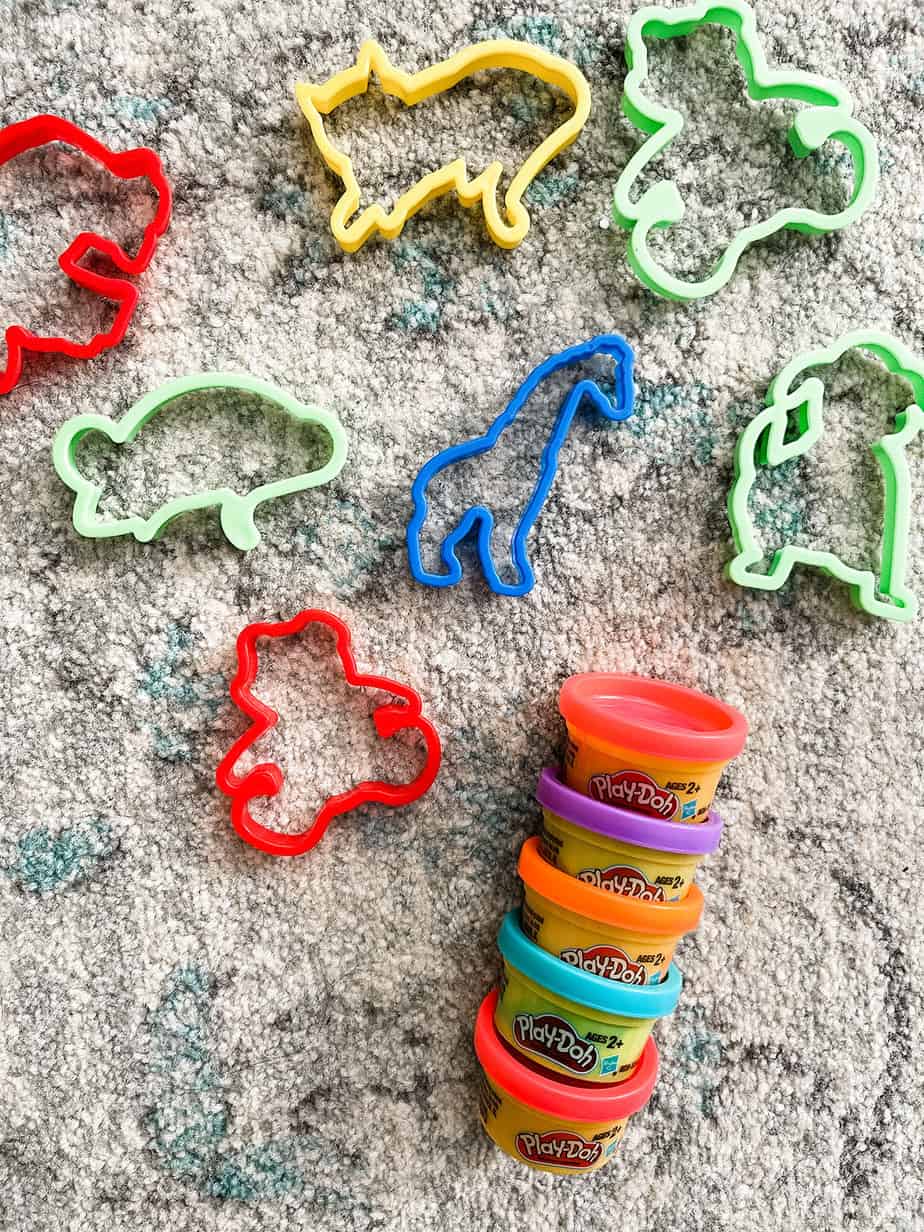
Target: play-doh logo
609	961
635	790
622	879
548	1036
562	1148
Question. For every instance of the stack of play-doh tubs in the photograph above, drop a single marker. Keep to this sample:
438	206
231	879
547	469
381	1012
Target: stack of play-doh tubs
565	1043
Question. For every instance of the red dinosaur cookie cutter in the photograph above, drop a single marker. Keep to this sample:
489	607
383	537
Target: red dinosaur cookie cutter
267	779
40	130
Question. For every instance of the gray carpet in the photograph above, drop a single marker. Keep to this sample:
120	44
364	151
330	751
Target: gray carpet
195	1036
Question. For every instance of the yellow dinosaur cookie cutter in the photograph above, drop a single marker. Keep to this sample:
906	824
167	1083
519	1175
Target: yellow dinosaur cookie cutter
318	101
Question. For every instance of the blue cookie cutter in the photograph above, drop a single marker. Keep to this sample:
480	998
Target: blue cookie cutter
479	520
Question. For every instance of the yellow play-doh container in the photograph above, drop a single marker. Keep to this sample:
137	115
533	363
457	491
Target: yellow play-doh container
611	935
552	1123
570	1022
647	745
617	850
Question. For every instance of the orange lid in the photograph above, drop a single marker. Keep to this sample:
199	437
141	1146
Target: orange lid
617	910
653	716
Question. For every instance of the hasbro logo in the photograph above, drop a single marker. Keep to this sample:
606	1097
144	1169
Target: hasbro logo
688	809
609	1064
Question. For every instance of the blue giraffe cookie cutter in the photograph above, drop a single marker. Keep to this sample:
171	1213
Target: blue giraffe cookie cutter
479	520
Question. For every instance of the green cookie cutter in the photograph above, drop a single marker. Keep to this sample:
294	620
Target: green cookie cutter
829	117
236	511
763	443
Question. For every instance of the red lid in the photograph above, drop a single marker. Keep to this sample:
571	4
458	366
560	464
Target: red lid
653	716
555	1095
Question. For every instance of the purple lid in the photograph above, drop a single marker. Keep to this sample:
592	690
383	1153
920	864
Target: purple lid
684	838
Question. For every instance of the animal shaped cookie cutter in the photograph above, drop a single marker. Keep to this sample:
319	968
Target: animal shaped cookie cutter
266	779
828	117
237	512
41	130
479	520
318	101
764	443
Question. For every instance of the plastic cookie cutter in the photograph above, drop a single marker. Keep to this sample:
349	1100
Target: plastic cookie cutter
139	163
765	443
478	520
237	512
266	779
318	101
828	117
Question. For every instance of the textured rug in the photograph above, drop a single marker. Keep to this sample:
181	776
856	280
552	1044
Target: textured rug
195	1036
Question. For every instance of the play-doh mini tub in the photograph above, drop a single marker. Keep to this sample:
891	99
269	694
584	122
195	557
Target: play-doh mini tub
551	1123
569	1021
647	745
610	935
618	850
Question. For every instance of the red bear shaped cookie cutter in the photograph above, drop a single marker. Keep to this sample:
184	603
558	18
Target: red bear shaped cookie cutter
41	130
266	779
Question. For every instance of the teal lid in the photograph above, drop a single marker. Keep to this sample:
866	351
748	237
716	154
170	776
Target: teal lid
544	969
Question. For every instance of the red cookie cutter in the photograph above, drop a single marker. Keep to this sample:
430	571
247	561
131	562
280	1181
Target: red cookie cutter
40	130
267	779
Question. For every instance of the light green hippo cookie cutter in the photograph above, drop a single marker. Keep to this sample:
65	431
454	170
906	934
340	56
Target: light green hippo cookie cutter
763	443
237	512
828	117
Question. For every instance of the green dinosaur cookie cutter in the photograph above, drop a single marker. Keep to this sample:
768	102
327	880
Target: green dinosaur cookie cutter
237	512
829	117
763	443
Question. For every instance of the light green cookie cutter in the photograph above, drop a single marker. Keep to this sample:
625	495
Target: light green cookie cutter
236	511
828	117
763	443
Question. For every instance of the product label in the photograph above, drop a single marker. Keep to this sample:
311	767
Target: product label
563	1148
608	1041
609	961
623	879
633	789
531	921
489	1101
551	1037
671	882
549	845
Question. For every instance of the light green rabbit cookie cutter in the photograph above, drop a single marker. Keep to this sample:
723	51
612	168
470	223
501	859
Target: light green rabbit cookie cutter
763	443
828	117
237	512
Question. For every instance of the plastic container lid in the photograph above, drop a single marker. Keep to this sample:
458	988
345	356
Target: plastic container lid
624	825
653	716
592	991
557	1096
617	910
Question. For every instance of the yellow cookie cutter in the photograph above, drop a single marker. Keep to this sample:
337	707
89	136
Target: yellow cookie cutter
318	101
